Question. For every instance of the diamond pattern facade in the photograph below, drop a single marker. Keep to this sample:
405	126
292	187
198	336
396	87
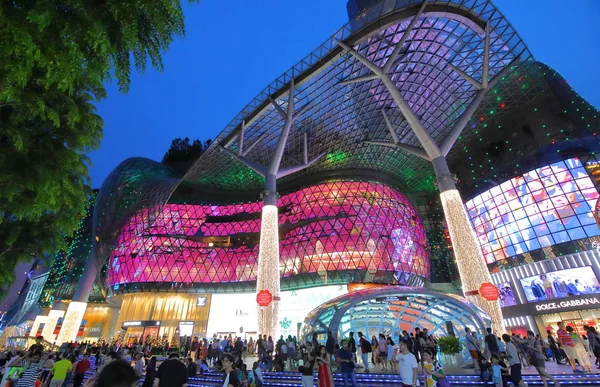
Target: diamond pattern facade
334	232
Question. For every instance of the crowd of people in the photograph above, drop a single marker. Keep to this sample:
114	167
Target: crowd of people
501	359
498	359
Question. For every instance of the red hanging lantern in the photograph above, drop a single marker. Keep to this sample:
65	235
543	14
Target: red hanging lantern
489	291
264	298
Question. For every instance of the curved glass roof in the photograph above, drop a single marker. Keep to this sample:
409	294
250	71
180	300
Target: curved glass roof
342	117
392	309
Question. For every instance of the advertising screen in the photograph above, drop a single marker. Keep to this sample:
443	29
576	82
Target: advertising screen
549	205
507	297
560	284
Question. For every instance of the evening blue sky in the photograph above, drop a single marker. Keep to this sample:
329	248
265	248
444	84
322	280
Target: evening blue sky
233	49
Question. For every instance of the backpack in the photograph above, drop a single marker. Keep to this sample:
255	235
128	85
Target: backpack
368	346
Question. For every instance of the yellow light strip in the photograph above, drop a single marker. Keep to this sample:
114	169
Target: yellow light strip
469	259
268	277
71	322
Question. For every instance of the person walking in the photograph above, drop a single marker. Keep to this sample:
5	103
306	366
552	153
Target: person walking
514	362
150	372
553	345
538	360
566	343
324	367
80	369
59	372
382	347
432	369
582	356
347	368
408	366
365	349
473	346
306	370
491	343
171	373
352	345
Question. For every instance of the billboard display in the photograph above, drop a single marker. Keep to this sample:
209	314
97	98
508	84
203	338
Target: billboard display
507	297
549	205
560	284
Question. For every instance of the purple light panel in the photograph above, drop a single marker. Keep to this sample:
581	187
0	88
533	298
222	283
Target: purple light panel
549	205
327	227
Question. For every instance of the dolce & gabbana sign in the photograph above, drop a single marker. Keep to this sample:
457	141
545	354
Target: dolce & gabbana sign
558	305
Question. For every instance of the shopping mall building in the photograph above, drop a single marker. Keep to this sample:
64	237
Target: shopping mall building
363	244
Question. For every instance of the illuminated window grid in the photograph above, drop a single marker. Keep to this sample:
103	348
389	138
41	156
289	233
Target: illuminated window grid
567	179
338	226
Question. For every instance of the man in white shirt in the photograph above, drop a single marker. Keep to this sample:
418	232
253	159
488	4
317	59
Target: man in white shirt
409	368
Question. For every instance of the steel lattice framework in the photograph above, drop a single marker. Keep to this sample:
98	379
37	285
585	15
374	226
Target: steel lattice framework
336	232
434	71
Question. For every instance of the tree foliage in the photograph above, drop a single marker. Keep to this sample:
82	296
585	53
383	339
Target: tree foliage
55	58
183	151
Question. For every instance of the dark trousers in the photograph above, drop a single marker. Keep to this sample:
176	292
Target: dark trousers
78	380
515	374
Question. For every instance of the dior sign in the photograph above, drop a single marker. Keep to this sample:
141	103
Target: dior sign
554	305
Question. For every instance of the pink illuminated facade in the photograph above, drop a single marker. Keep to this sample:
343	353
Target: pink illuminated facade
334	232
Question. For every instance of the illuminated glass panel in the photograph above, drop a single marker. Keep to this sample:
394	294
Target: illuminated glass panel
549	205
336	226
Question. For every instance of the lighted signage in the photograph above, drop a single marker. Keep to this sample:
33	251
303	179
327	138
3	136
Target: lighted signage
567	303
507	297
201	301
560	284
549	205
141	323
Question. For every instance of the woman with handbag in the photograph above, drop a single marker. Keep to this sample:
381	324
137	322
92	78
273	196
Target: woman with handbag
434	373
538	360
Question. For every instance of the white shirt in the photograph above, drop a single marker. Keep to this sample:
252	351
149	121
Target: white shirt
408	363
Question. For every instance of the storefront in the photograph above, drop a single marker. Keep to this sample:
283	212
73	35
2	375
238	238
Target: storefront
538	296
162	316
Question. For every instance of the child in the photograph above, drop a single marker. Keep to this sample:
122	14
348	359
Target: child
496	371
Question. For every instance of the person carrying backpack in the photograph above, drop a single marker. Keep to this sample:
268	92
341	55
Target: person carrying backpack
365	349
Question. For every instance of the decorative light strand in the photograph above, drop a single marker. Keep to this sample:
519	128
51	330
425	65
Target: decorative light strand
469	259
53	317
71	322
268	270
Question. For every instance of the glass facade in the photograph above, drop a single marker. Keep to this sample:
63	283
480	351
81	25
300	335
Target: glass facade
392	309
335	232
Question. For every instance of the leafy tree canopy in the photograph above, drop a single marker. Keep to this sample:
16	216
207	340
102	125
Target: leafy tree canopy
55	58
183	151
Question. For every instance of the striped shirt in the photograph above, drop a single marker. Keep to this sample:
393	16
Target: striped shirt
565	338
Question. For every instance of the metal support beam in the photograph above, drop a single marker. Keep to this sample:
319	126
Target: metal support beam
241	142
305	150
364	78
400	44
259	139
462	121
466	76
261	170
296	168
415	150
486	57
390	128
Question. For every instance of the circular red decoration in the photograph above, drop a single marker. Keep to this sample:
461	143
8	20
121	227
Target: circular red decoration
489	291
264	298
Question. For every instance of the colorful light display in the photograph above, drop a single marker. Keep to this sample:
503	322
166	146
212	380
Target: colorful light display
549	205
335	226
